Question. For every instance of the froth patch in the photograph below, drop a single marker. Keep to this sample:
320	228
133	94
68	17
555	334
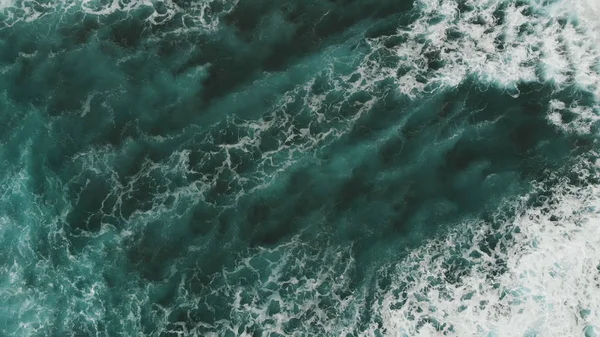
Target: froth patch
548	284
500	43
590	10
200	16
583	121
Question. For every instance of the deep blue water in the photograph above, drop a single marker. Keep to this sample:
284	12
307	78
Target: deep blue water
299	168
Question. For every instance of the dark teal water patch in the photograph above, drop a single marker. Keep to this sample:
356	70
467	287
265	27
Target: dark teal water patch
142	165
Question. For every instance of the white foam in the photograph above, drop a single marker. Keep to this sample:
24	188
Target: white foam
199	12
532	35
582	123
550	286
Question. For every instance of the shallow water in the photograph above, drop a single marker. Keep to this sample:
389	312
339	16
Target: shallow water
304	168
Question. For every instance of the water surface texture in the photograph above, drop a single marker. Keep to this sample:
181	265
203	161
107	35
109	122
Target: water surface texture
299	168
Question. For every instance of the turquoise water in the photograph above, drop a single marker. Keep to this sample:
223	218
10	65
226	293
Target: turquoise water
299	168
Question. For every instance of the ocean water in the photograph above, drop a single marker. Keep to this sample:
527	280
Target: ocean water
299	168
